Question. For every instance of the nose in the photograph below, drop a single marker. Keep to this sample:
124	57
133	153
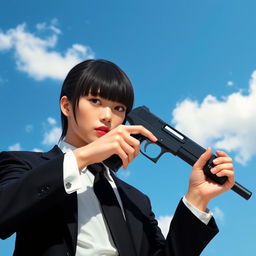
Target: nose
106	114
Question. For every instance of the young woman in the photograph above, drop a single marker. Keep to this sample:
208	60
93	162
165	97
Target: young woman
48	198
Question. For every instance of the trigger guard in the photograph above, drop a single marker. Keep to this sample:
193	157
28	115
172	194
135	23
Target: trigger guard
146	145
154	159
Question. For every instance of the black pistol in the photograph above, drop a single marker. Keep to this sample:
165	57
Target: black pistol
171	140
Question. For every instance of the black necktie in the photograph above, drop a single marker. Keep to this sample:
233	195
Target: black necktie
112	212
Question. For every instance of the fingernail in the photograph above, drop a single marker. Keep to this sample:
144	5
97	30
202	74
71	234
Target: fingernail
213	170
215	161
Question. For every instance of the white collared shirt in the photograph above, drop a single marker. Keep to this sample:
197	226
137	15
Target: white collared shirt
94	237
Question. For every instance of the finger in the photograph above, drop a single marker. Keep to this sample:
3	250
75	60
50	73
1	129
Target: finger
202	160
221	160
124	138
229	174
221	153
139	129
134	143
123	156
129	150
221	167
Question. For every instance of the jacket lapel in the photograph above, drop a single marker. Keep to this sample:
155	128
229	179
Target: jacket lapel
70	216
132	212
69	206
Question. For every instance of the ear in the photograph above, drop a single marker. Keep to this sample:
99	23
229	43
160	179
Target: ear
65	106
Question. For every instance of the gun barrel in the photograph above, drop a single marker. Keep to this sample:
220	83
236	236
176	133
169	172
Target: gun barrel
242	191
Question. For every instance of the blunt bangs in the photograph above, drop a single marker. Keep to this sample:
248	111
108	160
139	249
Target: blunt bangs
108	81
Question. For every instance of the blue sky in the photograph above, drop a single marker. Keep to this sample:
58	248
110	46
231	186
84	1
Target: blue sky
191	62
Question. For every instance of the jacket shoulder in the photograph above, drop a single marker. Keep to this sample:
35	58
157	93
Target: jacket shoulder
27	157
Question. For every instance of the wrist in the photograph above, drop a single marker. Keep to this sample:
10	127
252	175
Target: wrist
197	200
80	158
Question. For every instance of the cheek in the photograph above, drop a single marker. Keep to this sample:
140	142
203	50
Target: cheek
81	120
118	119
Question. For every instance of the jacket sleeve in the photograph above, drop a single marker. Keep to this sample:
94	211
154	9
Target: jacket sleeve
188	235
27	190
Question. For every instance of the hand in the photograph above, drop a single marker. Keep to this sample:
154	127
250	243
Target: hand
202	189
118	141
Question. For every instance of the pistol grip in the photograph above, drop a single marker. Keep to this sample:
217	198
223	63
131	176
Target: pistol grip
208	173
114	162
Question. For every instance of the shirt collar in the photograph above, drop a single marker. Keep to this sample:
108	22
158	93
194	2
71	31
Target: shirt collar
65	147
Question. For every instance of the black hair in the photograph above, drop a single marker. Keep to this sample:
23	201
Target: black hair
98	78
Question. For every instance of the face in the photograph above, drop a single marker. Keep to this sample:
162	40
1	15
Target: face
95	116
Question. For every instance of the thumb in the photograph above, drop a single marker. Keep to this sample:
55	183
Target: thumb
202	160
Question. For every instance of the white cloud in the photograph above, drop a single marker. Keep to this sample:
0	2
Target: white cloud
53	26
37	150
52	137
36	56
51	121
218	213
5	42
164	224
227	124
53	132
15	147
230	83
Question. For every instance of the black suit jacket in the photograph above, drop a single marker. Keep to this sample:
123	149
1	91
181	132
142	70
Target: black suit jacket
34	204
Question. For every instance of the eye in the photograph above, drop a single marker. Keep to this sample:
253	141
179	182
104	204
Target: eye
95	101
120	108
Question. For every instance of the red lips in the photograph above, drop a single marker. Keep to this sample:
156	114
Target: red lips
102	130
